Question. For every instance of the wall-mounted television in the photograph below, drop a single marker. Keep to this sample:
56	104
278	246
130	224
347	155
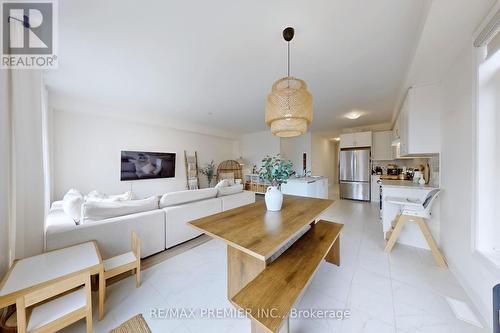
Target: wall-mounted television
136	165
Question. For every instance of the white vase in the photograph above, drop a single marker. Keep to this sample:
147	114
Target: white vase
274	199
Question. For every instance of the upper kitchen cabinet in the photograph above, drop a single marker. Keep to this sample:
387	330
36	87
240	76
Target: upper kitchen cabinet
355	140
382	148
418	124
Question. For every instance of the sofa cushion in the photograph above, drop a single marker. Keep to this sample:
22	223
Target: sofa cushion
99	210
182	197
228	190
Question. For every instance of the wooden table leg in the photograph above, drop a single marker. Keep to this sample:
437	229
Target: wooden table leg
259	328
242	268
333	256
102	293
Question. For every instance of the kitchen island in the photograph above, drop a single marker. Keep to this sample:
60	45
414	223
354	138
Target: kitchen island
311	186
411	234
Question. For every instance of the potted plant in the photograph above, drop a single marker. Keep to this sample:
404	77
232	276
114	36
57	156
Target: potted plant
209	171
275	171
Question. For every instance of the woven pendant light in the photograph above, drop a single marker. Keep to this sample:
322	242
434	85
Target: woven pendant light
289	105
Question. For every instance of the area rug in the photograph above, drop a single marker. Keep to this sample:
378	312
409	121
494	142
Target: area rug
136	324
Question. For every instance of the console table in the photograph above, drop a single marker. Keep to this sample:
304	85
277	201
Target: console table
263	245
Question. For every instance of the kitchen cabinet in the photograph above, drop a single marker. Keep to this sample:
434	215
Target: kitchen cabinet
395	130
375	188
313	187
354	140
382	146
418	124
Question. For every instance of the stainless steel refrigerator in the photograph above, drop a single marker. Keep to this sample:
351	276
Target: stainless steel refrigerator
355	172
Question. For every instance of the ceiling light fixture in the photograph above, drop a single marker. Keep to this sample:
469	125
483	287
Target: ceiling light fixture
289	105
354	114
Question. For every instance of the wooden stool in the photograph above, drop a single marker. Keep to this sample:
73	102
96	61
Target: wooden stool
415	212
122	263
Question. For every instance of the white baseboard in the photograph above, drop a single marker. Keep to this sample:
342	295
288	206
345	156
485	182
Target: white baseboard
474	297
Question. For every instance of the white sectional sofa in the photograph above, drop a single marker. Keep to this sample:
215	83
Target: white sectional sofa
159	229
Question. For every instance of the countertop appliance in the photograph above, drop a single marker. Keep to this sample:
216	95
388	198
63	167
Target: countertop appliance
355	174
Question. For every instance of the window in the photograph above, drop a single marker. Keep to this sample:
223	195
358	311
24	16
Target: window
488	144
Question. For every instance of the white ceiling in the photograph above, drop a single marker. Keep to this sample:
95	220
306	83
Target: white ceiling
213	62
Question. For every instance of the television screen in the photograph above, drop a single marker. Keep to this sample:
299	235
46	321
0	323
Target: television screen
147	165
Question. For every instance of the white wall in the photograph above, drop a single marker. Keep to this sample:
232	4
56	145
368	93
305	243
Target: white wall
457	162
323	159
4	173
255	146
86	153
28	174
293	148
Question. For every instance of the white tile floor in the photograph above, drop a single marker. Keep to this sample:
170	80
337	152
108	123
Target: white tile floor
403	292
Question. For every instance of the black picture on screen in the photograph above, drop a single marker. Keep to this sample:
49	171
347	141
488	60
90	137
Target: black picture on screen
137	165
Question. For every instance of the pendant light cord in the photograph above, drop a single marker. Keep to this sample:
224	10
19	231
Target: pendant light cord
288	59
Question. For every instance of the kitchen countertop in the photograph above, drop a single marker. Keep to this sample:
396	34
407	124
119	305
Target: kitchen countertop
406	184
308	179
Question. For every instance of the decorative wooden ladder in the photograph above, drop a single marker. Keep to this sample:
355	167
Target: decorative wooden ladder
192	178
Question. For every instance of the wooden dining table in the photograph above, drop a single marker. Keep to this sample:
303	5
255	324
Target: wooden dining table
33	273
256	236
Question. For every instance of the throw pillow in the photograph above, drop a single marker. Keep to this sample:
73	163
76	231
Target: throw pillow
121	197
72	205
222	183
96	196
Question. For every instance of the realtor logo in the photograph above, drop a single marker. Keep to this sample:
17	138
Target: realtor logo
28	34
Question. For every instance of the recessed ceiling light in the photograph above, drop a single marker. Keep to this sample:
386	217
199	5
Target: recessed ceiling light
354	114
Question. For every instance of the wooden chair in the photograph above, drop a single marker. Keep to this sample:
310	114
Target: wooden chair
54	313
130	261
416	212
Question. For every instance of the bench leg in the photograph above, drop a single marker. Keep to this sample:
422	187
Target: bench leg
102	293
242	268
432	243
259	328
333	256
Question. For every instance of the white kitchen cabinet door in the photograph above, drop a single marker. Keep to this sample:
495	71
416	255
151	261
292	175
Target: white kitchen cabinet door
354	140
375	188
382	146
347	140
419	122
363	139
403	126
322	188
395	130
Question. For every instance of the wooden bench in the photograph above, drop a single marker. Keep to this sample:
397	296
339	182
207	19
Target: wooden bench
269	298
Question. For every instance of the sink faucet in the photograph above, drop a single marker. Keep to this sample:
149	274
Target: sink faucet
307	173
